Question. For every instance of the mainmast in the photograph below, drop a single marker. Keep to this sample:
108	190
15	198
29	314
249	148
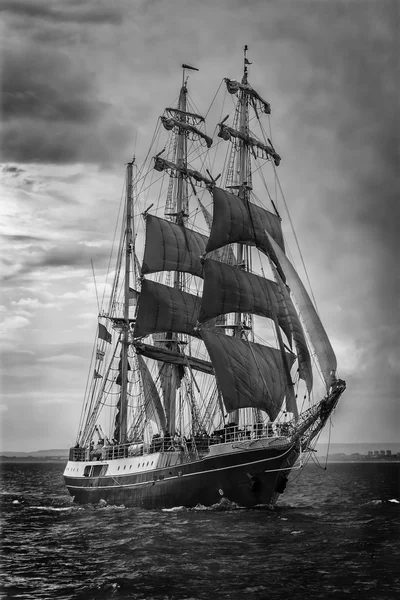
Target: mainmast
126	326
244	186
242	169
243	161
181	160
181	216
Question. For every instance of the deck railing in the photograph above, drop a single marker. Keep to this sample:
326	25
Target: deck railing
195	445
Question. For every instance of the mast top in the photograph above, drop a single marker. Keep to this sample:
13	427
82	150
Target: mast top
184	67
245	63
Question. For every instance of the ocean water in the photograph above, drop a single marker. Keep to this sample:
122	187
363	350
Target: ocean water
335	534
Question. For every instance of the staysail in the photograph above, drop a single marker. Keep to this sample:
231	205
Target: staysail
153	407
303	355
314	328
170	382
248	374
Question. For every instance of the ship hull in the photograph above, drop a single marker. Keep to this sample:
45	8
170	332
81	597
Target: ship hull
248	478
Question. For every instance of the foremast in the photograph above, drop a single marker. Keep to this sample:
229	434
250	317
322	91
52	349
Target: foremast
181	216
125	333
243	324
182	120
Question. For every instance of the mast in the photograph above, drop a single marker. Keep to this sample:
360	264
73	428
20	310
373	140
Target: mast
242	185
125	331
242	164
181	191
180	218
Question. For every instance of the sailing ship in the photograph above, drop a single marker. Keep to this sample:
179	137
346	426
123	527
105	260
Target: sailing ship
203	384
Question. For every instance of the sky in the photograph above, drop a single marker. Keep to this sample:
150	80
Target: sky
83	82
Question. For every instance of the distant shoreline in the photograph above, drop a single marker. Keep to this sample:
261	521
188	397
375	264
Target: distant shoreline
362	460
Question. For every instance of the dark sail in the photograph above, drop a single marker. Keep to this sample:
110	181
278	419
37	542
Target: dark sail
163	308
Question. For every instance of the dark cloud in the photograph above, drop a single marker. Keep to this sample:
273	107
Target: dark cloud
68	255
51	105
342	75
35	142
24	239
72	11
16	171
46	86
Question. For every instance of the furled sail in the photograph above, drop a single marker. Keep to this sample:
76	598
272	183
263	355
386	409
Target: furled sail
153	407
169	123
235	221
259	148
303	355
314	328
248	374
188	115
231	290
163	308
234	87
162	164
172	247
176	358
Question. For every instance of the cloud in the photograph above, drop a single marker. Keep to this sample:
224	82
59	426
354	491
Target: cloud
33	303
71	11
63	360
35	259
10	323
51	107
16	171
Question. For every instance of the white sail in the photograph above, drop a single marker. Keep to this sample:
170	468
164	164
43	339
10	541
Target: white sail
312	322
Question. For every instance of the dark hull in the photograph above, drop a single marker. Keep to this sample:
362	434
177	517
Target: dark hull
246	478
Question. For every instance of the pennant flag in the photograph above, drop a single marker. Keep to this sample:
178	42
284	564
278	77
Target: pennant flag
247	62
99	354
104	334
189	67
133	296
118	381
97	375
